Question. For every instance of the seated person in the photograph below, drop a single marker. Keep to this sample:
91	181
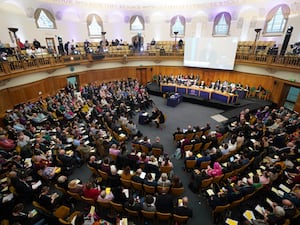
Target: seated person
18	216
90	192
149	180
105	196
133	204
164	181
126	173
114	178
94	163
157	117
176	183
215	171
183	209
47	200
75	186
148	204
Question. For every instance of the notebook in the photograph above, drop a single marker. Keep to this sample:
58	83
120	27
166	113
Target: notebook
249	215
260	209
284	188
36	185
231	221
210	192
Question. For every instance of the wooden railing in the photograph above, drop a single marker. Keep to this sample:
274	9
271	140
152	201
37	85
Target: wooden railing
10	69
290	63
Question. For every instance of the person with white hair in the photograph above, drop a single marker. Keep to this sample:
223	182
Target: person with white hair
164	180
113	178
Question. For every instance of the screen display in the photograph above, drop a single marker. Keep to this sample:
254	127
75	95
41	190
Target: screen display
214	53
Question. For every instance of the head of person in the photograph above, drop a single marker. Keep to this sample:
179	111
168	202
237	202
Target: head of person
113	170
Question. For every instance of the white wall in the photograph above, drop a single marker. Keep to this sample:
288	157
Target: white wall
71	20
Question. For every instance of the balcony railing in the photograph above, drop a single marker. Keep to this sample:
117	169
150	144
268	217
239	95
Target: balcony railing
14	68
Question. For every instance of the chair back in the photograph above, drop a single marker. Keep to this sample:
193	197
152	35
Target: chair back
217	179
160	189
149	189
93	170
126	183
188	147
204	165
236	203
165	169
40	208
148	215
69	219
156	152
197	147
62	212
163	216
206	182
137	186
137	147
89	201
178	137
74	195
117	207
62	190
190	164
103	174
104	204
206	146
190	136
144	149
177	191
218	210
180	219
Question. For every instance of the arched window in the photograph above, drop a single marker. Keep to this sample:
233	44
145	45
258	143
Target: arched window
137	23
94	25
178	25
276	20
44	19
222	24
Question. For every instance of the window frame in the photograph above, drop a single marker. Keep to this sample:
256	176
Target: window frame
49	15
132	20
217	19
99	21
273	13
172	23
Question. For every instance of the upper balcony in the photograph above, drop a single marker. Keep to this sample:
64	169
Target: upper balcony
15	68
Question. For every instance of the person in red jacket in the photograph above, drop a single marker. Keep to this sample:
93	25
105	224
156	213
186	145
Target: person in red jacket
90	192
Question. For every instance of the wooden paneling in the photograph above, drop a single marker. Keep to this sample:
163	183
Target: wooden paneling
30	92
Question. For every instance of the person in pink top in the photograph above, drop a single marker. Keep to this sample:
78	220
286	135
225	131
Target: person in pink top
113	150
215	171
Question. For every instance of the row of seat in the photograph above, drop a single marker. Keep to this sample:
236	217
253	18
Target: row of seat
118	208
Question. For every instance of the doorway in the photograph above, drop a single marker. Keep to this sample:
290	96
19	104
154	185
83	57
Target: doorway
141	75
291	98
51	45
73	82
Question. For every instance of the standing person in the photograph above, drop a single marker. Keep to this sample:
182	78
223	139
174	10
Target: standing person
66	47
36	44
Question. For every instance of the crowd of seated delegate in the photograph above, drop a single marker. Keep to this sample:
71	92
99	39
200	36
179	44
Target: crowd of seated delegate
44	149
63	136
269	140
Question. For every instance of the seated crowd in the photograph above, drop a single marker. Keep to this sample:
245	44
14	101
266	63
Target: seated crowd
256	153
47	140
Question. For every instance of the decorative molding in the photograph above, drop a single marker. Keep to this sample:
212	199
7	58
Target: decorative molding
157	61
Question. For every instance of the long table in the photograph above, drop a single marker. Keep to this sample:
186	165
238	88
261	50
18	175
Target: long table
205	93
